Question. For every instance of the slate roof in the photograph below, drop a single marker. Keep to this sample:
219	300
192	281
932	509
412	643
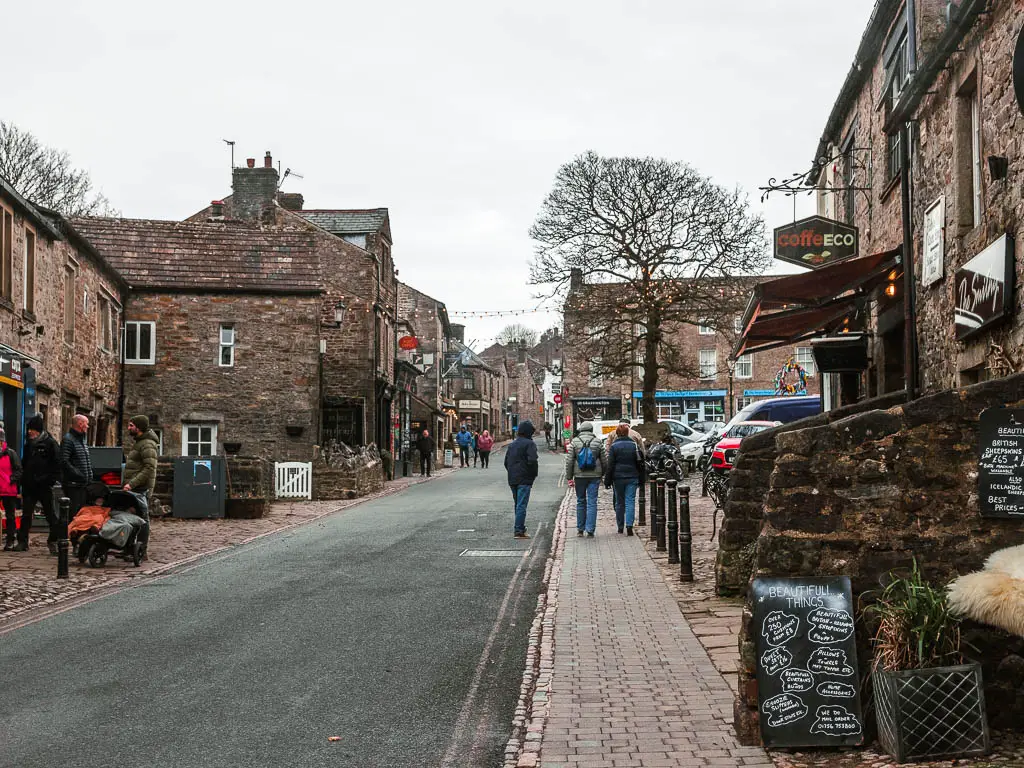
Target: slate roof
348	222
209	256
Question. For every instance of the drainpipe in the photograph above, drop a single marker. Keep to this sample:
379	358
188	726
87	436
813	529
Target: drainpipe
909	281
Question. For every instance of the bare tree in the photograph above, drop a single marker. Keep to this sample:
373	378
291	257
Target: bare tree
517	335
46	176
653	245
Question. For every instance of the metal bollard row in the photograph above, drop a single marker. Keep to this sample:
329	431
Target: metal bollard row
63	544
672	523
661	514
685	536
654	507
641	516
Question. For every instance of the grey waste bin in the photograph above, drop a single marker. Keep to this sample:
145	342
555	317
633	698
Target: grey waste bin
199	487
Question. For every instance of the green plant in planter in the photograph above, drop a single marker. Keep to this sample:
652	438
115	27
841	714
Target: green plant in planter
916	628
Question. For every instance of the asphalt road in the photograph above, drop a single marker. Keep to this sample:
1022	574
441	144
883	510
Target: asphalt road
367	625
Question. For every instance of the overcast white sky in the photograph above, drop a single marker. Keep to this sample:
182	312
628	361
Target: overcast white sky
453	114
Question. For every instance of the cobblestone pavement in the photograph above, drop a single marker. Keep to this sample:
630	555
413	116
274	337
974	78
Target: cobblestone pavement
28	580
630	684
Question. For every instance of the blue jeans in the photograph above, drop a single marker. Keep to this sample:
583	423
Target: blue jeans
521	497
625	501
586	503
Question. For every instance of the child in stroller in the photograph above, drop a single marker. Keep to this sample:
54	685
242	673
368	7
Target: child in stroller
118	523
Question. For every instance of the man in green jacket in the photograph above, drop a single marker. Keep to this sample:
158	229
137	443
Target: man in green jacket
140	466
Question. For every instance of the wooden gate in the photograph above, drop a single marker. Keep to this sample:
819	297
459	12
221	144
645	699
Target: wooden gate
293	480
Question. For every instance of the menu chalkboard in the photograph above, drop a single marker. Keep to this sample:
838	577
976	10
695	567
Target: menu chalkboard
807	680
1001	462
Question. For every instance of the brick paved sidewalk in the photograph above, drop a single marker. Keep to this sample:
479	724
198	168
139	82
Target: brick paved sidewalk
631	685
28	579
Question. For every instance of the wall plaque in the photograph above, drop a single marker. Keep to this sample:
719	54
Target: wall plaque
1001	462
807	680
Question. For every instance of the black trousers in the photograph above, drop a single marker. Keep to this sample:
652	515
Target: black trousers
10	505
425	465
485	458
30	497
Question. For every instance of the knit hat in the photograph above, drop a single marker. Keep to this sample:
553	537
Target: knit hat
142	422
35	423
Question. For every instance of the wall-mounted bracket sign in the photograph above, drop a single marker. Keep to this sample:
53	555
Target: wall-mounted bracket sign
1001	462
807	681
815	241
984	289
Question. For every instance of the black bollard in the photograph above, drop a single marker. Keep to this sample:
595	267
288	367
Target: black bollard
63	545
661	514
672	524
685	537
641	515
654	507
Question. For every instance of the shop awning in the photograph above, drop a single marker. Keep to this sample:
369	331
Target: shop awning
797	307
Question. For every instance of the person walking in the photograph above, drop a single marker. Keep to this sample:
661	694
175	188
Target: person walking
584	468
10	478
635	436
76	463
140	464
547	434
40	472
625	472
476	447
485	443
425	445
464	439
521	463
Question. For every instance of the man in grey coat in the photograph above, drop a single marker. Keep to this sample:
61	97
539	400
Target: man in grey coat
584	468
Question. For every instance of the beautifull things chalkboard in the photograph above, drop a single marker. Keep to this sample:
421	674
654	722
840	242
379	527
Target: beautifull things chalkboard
1001	462
807	682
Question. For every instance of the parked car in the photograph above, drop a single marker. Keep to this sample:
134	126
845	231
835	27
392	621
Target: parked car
707	427
724	453
683	433
781	409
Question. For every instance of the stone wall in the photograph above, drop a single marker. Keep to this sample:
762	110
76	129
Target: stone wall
341	472
864	495
261	401
748	484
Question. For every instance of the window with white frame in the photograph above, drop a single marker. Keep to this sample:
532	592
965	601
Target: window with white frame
104	324
704	327
140	342
708	363
975	160
805	357
595	377
670	410
227	346
737	324
159	440
198	439
745	366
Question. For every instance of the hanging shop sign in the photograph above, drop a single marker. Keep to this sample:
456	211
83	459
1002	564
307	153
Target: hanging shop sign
10	371
934	242
469	405
1001	462
408	342
815	241
807	681
984	289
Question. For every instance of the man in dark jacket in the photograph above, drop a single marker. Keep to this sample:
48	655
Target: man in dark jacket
465	441
40	472
76	463
140	464
521	465
425	445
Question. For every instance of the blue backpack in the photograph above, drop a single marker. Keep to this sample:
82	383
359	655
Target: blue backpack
585	459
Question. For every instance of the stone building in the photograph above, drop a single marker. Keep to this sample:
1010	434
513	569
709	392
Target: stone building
60	309
717	388
920	153
433	406
480	389
221	329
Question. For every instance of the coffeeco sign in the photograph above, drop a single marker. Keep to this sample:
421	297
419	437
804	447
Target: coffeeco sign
984	289
815	241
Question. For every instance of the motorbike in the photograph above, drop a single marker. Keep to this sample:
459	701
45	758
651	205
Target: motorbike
665	460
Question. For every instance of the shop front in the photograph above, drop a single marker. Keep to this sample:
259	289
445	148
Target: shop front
593	408
687	405
472	414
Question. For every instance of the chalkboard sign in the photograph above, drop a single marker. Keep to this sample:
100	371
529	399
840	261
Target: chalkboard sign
1001	462
808	687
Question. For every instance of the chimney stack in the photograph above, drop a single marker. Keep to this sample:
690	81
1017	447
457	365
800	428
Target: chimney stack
254	190
292	201
217	209
459	333
522	352
575	279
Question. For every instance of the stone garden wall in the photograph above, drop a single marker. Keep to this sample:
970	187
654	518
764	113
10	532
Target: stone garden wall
340	472
863	495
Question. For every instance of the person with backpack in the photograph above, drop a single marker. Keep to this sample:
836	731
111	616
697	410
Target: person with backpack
485	443
625	472
584	468
521	463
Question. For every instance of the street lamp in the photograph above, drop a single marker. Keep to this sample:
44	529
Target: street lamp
731	364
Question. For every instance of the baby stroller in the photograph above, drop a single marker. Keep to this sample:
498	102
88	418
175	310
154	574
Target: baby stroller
125	533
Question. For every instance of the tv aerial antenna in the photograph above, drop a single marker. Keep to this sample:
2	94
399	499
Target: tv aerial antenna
289	172
232	145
